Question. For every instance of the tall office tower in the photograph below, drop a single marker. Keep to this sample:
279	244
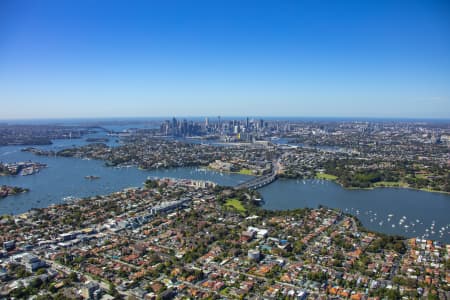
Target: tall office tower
236	129
261	123
184	127
174	126
206	122
165	127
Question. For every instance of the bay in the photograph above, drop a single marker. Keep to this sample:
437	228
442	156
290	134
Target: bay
405	212
65	177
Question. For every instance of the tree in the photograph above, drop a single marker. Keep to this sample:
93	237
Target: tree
41	271
112	290
73	277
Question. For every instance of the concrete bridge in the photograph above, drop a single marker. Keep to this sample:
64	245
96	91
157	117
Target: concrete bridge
258	182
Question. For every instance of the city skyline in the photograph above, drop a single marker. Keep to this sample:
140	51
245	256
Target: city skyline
379	59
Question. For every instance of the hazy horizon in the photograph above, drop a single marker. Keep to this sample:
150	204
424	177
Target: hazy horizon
212	118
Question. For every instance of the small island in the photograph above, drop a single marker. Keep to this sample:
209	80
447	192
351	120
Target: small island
6	191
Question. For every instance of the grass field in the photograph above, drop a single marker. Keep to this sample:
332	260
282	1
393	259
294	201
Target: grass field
421	176
326	176
245	172
390	184
236	204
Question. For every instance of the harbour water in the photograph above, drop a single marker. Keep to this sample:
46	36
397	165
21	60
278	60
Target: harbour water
65	177
394	211
399	211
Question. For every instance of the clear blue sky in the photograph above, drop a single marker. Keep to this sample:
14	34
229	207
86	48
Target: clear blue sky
80	58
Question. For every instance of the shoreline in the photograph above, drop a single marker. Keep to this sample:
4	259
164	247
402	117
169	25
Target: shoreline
392	187
381	186
396	187
366	188
14	193
361	226
246	206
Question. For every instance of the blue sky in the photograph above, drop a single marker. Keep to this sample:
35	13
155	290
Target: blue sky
80	58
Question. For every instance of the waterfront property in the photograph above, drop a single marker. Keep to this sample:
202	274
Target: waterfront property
174	237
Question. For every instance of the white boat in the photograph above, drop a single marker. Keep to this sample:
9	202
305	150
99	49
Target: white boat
69	198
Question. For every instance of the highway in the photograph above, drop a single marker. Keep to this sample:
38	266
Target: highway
260	181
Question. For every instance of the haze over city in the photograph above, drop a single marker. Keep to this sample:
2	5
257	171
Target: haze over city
66	59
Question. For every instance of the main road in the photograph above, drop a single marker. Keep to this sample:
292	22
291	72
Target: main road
260	181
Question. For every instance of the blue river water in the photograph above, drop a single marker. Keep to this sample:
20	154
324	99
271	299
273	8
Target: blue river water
65	177
405	212
394	211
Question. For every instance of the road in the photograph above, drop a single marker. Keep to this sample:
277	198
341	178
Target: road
66	270
261	181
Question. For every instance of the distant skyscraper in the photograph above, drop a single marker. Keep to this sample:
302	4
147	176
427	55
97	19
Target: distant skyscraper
236	129
174	126
206	122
